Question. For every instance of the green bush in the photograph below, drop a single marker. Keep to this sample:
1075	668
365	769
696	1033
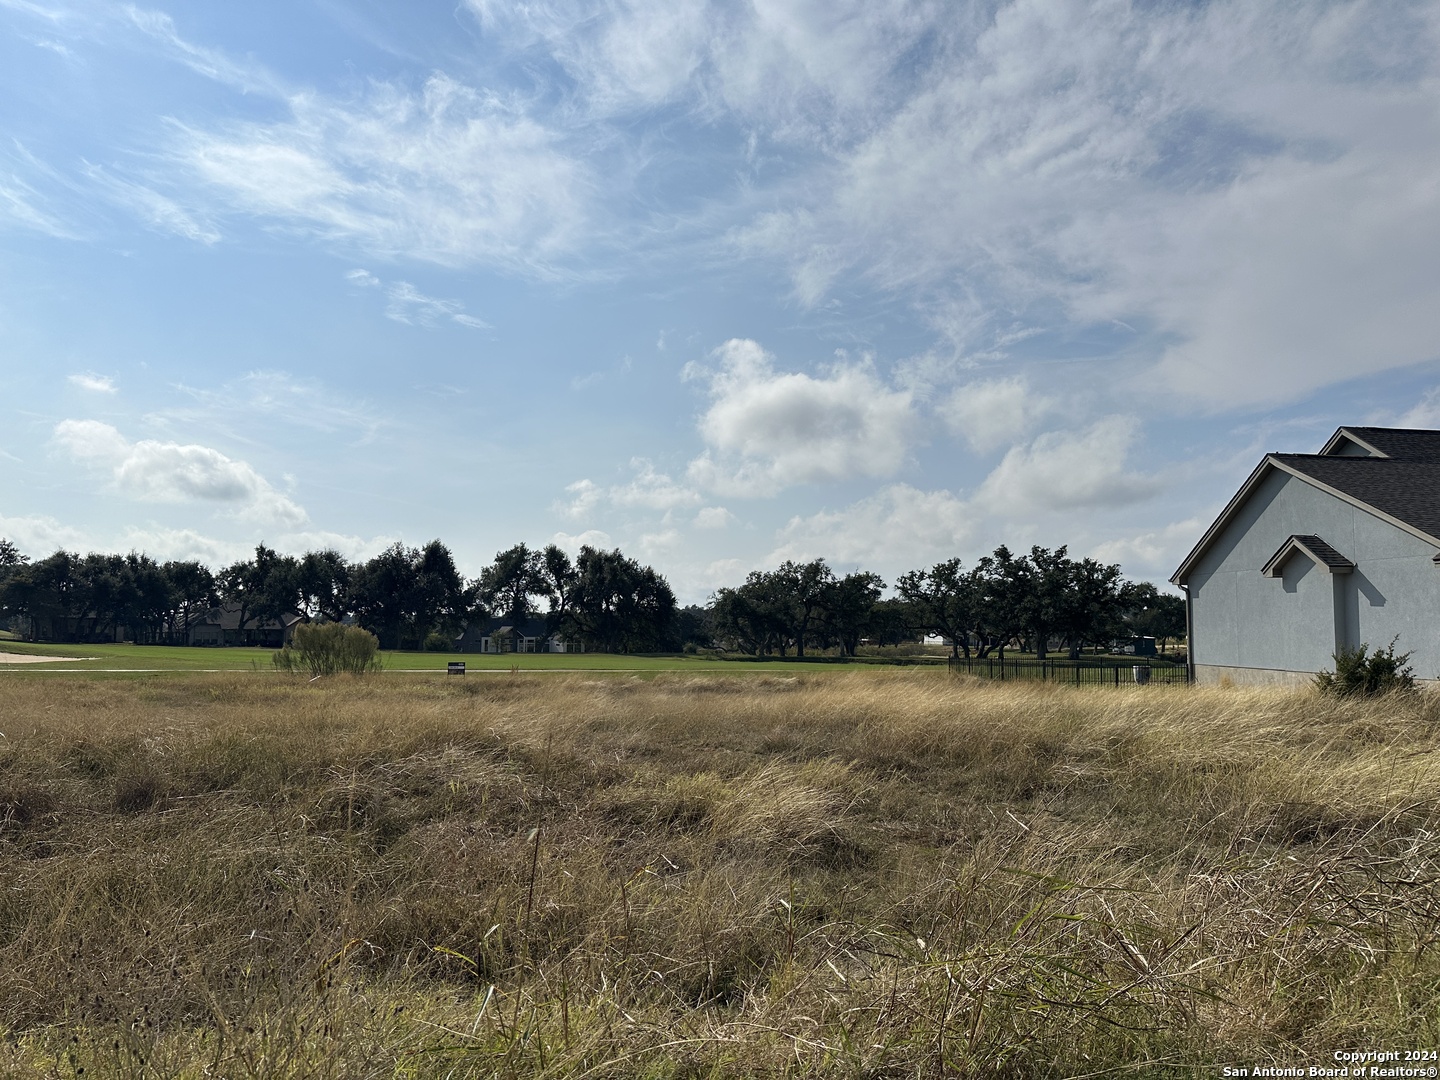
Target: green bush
330	649
438	642
1360	673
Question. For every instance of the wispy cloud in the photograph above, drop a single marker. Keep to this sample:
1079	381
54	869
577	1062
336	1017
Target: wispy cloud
407	304
272	397
23	202
211	63
447	174
158	211
96	384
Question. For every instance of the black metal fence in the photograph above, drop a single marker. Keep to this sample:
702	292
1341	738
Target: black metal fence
1073	672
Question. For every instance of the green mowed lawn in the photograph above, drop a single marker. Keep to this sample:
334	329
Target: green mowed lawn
140	658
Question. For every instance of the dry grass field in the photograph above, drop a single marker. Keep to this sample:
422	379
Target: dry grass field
885	874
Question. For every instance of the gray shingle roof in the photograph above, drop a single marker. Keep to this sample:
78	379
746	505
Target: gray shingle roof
1312	546
1408	491
1402	444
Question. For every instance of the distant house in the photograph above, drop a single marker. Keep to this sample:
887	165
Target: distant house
221	626
1318	553
512	636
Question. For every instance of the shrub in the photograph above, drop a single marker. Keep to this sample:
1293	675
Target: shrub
330	649
1360	673
438	642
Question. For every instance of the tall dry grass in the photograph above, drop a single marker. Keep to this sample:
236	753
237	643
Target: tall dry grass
886	874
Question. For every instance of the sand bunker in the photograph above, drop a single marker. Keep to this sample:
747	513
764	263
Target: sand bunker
26	658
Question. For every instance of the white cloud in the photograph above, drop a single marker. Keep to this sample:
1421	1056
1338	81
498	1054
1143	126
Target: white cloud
767	430
1155	552
88	380
159	212
652	490
649	489
1425	413
585	496
407	304
993	412
167	472
164	544
1068	470
659	544
573	542
795	70
1175	167
211	63
713	517
448	174
22	203
39	535
898	526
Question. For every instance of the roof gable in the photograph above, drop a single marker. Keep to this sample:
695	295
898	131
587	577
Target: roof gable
1397	444
1398	482
1314	549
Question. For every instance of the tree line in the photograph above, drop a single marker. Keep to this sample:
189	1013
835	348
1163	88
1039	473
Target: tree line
416	598
1004	600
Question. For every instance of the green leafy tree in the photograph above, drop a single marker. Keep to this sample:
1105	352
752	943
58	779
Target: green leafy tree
849	609
943	600
620	605
323	586
192	592
511	584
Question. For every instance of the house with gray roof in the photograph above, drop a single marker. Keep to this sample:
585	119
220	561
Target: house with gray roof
1317	553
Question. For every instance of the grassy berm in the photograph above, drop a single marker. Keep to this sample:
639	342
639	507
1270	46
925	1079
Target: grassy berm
884	874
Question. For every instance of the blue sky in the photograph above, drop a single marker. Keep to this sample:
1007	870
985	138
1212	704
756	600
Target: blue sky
719	283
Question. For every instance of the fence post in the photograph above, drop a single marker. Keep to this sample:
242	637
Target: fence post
1116	669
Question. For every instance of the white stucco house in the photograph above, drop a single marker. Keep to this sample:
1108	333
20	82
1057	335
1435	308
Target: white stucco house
1318	553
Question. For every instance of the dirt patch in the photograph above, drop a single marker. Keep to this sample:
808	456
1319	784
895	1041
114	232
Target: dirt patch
26	658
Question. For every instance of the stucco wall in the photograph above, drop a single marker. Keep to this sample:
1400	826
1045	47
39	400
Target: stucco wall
1244	620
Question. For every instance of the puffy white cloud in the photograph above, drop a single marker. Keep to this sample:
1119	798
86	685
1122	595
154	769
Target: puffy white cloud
167	472
713	517
585	496
39	535
652	490
767	430
992	412
659	544
573	542
648	489
163	544
1068	470
88	380
898	526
